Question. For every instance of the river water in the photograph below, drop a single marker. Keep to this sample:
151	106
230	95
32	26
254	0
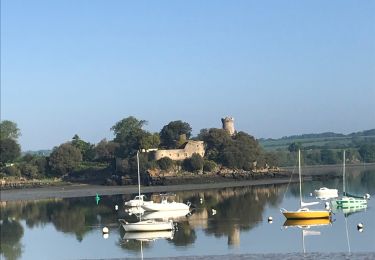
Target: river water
224	221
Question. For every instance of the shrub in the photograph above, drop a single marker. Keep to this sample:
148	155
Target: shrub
165	163
195	163
209	166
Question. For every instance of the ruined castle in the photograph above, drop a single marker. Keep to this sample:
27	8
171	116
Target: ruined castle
190	147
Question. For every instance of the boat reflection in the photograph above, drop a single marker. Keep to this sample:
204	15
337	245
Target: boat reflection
307	222
305	225
168	215
350	210
148	236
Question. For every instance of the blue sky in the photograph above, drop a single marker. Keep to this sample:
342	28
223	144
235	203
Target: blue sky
278	67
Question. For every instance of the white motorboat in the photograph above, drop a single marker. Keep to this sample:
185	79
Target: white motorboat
167	214
165	205
148	236
146	225
326	193
137	201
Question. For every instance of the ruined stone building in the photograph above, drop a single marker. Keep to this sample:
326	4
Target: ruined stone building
189	148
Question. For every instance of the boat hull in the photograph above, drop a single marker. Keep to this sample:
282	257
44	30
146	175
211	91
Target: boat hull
306	215
167	206
326	193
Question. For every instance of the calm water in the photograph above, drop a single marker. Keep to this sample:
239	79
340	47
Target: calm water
71	228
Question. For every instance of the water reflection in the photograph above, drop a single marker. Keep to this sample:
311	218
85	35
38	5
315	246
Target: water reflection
307	227
238	211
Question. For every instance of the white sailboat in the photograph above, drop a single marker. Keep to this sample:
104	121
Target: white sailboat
348	200
303	212
138	201
145	225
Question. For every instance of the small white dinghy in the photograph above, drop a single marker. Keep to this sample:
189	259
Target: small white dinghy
146	225
326	193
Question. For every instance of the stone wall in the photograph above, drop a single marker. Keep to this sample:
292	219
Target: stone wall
189	149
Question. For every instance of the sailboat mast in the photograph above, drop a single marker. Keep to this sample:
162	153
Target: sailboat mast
139	178
343	173
300	178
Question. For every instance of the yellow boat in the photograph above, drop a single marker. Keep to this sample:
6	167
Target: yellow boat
303	212
307	214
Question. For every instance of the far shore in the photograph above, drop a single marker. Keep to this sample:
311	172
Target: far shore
87	190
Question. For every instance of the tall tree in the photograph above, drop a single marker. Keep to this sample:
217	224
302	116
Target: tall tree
87	149
64	159
9	129
128	133
170	134
9	150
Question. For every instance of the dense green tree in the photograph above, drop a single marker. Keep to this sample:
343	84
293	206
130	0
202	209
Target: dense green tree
170	134
215	140
64	159
105	151
129	135
367	152
29	170
9	129
86	149
149	141
10	150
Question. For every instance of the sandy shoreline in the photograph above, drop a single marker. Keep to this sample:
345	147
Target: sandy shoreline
85	190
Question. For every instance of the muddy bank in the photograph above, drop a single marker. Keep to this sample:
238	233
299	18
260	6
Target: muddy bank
84	190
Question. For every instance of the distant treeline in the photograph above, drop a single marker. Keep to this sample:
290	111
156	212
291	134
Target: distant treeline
323	148
115	160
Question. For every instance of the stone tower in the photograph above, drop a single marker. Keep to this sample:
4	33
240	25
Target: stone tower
228	125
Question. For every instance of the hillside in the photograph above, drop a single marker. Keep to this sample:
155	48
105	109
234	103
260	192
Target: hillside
326	140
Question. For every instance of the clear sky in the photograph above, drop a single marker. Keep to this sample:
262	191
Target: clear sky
278	67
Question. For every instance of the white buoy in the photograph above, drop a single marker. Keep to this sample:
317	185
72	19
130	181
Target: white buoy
327	205
105	236
310	194
105	230
367	196
360	226
213	212
360	230
116	207
201	200
270	220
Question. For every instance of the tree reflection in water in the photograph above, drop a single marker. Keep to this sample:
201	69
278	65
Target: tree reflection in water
237	210
11	233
